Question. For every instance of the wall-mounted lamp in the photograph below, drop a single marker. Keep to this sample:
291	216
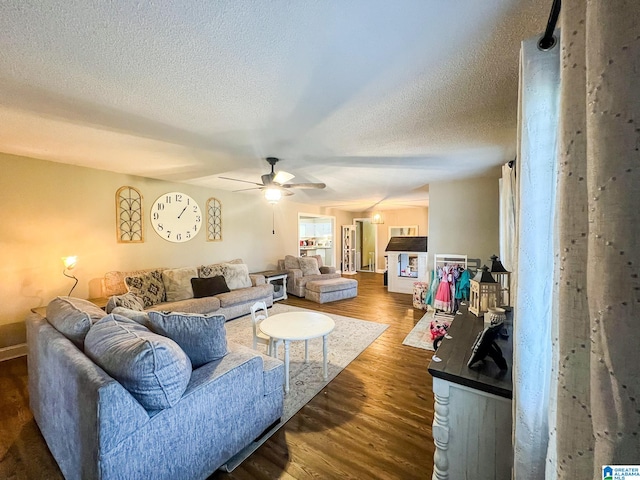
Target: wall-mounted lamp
273	195
377	219
69	264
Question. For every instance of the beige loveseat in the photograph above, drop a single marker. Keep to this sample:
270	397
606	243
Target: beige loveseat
170	289
301	270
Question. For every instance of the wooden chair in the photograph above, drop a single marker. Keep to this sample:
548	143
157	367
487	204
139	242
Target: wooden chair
258	314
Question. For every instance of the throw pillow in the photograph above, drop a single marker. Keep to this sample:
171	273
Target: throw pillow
153	368
148	286
73	317
127	300
208	271
309	266
237	276
137	316
291	262
177	283
202	337
208	287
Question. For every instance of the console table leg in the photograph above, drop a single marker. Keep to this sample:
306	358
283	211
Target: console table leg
441	431
306	351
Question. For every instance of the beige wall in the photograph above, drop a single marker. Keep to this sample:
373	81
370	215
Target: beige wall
51	210
464	218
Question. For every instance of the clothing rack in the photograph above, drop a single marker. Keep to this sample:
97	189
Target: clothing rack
443	259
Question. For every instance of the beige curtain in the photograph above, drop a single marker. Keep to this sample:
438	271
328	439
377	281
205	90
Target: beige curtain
596	403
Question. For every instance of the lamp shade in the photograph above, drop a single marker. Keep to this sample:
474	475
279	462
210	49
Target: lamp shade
377	219
273	195
70	262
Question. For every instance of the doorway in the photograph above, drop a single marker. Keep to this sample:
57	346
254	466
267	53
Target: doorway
366	245
316	236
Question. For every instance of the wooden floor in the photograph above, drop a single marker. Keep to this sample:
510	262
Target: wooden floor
373	421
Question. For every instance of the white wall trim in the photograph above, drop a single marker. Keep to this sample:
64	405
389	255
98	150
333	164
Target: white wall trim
14	351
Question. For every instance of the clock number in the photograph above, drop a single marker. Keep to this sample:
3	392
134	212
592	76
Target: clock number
160	227
178	197
195	209
160	206
188	235
167	199
178	236
188	201
168	233
198	219
156	216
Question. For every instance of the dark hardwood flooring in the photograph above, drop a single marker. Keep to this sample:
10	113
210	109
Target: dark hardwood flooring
373	421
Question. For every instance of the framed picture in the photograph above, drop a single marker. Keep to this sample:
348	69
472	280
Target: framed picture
403	231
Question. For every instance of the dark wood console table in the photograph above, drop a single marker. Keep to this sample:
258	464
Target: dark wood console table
472	414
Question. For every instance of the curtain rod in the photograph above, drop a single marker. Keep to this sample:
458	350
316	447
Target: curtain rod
548	40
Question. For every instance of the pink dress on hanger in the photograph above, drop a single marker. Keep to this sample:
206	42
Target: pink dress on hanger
443	299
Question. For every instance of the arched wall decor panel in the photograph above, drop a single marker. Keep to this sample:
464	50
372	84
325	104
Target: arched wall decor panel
214	220
129	219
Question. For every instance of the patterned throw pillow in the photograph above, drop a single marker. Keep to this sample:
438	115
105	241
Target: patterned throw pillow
291	262
127	300
202	337
309	266
237	276
148	287
208	271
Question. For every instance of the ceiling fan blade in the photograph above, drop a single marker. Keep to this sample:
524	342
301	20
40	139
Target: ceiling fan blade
282	177
244	181
247	189
305	185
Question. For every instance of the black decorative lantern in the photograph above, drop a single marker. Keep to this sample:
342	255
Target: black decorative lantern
503	278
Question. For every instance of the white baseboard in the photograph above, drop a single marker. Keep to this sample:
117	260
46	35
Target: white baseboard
14	351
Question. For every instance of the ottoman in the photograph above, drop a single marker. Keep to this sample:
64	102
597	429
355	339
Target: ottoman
331	289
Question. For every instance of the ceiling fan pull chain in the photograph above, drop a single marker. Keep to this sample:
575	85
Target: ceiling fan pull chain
273	219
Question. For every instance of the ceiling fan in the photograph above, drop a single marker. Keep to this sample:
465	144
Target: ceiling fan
276	181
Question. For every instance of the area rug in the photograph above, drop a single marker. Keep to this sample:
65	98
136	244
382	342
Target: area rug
350	338
422	336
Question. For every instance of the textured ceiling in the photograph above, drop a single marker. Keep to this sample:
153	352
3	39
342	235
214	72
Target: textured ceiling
377	99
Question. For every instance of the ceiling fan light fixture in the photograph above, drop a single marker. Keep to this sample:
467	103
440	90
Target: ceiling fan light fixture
273	195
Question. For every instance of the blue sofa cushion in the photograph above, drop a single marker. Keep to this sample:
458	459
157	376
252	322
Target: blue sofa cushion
73	317
140	317
153	368
202	337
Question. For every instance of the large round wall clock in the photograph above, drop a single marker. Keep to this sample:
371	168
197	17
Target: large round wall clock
176	217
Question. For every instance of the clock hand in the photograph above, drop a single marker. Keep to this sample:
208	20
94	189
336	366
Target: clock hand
182	212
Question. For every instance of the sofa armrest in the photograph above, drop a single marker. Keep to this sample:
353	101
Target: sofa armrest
257	280
294	273
327	269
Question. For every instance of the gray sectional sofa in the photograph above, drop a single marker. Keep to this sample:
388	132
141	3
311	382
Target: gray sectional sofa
301	270
101	425
173	289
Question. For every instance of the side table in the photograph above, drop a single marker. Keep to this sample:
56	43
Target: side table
100	302
278	279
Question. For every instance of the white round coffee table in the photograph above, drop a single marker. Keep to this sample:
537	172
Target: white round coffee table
294	326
